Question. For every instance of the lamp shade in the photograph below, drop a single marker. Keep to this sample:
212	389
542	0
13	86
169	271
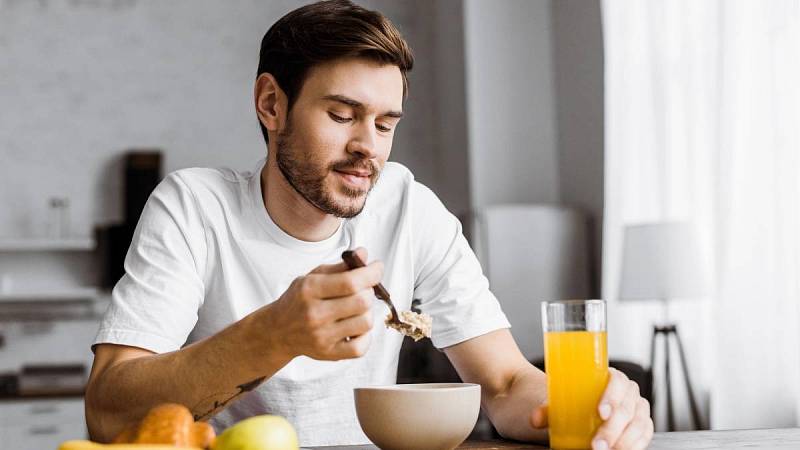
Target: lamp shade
662	261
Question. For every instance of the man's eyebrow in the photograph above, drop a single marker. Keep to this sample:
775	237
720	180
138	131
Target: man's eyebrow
358	105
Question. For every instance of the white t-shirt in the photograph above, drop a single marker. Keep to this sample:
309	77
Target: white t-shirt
206	253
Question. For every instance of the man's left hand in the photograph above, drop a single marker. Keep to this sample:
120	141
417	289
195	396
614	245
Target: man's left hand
626	415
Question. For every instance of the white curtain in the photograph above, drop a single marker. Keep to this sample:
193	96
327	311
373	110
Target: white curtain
703	124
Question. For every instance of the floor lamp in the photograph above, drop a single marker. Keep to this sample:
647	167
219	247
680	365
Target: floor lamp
662	261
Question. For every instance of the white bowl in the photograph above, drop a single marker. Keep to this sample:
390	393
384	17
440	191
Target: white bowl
430	416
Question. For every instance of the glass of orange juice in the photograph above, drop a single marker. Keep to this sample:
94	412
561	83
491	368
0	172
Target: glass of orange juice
576	363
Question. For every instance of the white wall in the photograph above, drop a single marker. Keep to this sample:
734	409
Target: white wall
84	81
510	102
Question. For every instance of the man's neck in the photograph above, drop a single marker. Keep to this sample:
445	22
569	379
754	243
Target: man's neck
293	214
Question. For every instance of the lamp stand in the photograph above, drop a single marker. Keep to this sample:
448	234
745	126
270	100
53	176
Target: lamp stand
667	330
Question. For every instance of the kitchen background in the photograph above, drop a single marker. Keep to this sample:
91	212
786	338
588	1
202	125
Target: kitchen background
84	82
507	107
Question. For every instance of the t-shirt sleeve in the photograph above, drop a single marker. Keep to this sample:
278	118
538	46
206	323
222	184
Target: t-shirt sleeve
155	304
449	280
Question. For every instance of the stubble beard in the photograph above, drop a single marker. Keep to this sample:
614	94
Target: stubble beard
308	179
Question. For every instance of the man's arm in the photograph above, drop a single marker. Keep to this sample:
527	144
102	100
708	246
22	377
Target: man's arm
127	381
313	317
513	393
511	388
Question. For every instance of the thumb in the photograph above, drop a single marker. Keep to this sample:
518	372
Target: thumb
538	417
340	266
362	254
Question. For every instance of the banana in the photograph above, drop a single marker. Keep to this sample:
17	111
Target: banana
89	445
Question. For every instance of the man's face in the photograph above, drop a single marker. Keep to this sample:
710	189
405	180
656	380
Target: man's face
339	133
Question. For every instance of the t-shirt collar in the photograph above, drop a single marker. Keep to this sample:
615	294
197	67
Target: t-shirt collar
276	233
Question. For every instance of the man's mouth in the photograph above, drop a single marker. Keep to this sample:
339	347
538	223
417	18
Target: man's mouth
356	172
356	179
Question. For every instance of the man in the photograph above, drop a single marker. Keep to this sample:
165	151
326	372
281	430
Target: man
236	302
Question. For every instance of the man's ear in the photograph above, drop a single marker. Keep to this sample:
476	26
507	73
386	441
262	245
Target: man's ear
271	102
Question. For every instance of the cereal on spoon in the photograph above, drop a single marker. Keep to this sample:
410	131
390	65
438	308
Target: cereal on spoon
414	325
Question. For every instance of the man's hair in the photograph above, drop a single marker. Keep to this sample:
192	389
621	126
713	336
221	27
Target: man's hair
324	31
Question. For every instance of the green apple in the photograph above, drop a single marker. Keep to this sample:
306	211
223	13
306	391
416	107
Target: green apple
265	432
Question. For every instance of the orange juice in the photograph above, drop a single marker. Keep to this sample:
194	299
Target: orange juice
576	363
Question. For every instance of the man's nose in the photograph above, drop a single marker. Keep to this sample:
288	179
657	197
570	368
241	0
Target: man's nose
363	142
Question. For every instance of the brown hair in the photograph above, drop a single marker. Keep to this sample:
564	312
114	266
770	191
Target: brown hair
324	31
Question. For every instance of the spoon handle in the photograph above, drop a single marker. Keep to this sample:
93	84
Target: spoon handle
353	261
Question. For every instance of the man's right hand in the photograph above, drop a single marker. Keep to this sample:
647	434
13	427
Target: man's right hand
325	315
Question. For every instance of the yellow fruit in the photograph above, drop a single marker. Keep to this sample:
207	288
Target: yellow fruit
89	445
258	433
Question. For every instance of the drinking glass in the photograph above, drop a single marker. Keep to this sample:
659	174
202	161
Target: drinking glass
576	362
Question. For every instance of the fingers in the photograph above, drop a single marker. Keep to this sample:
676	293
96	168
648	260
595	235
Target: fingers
332	282
644	440
614	394
639	429
336	308
341	266
341	284
330	268
352	326
352	305
361	252
355	347
618	407
538	417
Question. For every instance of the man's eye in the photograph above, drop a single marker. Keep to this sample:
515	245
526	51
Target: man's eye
383	128
338	118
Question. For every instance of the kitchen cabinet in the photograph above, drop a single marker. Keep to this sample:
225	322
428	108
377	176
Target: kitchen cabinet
44	244
41	276
41	424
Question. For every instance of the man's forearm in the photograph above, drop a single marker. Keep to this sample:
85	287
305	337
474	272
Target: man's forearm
511	410
205	376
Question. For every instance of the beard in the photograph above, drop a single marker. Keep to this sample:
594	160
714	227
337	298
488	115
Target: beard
307	176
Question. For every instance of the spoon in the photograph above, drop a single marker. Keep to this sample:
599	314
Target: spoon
353	261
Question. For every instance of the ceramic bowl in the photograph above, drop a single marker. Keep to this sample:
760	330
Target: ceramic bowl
431	416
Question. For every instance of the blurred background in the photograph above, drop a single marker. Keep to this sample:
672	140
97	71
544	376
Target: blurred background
625	150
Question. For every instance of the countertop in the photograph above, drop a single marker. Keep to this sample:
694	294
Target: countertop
773	439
